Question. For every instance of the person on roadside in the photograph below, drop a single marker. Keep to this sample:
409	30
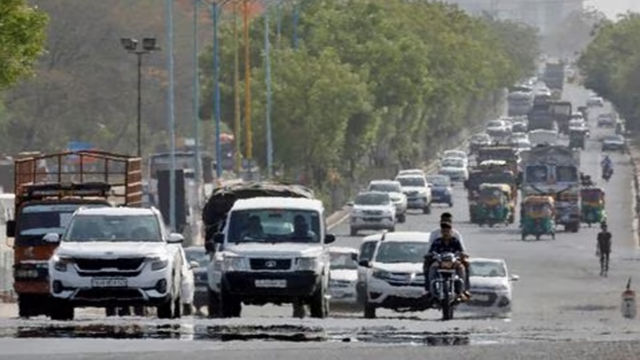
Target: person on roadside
445	243
603	249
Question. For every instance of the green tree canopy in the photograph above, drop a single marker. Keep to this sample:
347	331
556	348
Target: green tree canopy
22	37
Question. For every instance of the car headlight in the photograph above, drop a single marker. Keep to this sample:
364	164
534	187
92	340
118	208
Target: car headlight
500	288
234	263
61	263
356	212
158	263
307	263
381	274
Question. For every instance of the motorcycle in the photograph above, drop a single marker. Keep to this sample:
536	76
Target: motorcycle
447	286
607	172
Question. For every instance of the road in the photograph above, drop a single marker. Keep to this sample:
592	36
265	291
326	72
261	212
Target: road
561	304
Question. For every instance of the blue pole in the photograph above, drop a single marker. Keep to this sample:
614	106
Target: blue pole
216	100
268	81
296	17
196	96
171	113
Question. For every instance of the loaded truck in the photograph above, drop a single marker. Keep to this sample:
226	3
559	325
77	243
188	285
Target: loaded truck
561	112
540	117
553	170
554	74
48	190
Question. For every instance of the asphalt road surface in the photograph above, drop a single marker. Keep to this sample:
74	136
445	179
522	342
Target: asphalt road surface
562	307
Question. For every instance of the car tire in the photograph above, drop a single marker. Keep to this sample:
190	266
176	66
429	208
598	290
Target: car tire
319	304
426	210
369	311
213	304
299	311
450	204
392	229
402	218
166	310
353	232
177	308
62	311
230	306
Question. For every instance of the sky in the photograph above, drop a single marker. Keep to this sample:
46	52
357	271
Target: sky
613	7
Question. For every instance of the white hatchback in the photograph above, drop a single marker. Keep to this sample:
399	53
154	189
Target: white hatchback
491	287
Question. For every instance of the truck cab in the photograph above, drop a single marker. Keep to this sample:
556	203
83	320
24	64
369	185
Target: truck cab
45	200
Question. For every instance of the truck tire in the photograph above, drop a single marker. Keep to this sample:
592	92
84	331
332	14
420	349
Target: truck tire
319	304
213	304
25	309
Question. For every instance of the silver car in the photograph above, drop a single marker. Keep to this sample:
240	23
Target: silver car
394	189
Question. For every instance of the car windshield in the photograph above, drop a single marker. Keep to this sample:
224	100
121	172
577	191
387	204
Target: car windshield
274	225
411	172
613	138
439	180
412	181
487	269
402	252
89	228
385	187
367	249
38	220
453	162
342	261
199	256
455	154
480	138
372	199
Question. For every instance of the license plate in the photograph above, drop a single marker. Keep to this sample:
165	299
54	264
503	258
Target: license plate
109	282
480	297
279	284
411	292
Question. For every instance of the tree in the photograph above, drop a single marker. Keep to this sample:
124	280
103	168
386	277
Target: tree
22	36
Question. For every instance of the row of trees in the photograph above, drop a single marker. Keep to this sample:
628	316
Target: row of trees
371	83
611	66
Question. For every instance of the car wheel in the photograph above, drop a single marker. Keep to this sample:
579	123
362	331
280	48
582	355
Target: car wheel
62	311
177	308
299	312
450	203
229	305
369	311
353	232
402	218
392	229
166	310
213	304
319	305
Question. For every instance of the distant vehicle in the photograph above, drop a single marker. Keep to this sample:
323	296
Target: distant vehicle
458	154
455	168
411	172
372	210
441	191
518	136
418	192
199	255
394	189
519	126
614	143
343	277
606	120
498	128
491	286
595	101
479	140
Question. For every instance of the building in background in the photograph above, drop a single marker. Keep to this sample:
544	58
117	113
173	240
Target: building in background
543	14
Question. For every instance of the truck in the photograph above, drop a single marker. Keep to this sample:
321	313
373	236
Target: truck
561	112
542	137
540	117
519	101
48	190
553	170
554	74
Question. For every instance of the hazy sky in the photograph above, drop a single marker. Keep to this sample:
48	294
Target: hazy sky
613	7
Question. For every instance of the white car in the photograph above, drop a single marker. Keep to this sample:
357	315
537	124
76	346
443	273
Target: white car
519	136
455	154
115	257
372	210
418	192
365	254
455	168
343	276
188	287
595	101
394	189
395	279
491	286
411	172
498	128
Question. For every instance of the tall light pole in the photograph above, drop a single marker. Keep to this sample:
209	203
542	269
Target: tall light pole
216	94
131	46
196	98
171	112
268	83
247	91
236	90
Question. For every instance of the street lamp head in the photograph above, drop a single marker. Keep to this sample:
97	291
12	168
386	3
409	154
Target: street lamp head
129	44
150	44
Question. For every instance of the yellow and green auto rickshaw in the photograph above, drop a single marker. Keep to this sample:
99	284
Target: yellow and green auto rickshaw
592	205
538	216
494	205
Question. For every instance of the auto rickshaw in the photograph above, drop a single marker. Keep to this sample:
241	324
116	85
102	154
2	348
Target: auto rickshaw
592	205
577	139
538	216
494	205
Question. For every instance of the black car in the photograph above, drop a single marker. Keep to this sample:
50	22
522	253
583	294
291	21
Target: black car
199	255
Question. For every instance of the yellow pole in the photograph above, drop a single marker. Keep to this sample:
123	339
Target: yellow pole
236	89
247	90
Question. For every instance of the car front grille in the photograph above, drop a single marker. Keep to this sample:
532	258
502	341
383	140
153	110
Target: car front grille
270	264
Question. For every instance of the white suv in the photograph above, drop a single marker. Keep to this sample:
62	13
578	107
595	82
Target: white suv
272	250
395	279
115	257
418	192
394	189
372	210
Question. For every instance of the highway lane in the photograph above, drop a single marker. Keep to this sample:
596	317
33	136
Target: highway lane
559	297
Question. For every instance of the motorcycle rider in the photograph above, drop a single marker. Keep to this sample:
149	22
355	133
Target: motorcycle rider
445	243
436	233
606	163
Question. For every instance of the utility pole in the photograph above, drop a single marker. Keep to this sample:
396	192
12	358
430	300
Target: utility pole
247	97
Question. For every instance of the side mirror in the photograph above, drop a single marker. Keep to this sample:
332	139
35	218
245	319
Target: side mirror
354	257
218	238
11	228
51	238
364	263
515	278
350	203
175	238
329	238
193	265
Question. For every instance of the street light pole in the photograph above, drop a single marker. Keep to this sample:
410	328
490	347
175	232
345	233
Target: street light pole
196	99
247	91
216	100
171	112
268	83
131	46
